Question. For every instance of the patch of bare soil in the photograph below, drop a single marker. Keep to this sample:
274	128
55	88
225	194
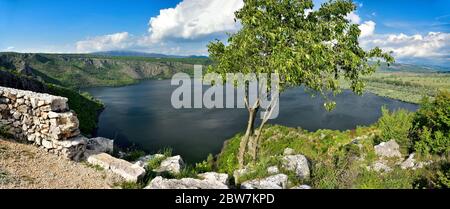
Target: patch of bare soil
25	166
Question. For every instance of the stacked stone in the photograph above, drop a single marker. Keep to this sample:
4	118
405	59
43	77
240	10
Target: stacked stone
42	119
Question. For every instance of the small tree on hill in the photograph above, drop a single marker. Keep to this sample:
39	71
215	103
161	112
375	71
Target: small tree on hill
313	48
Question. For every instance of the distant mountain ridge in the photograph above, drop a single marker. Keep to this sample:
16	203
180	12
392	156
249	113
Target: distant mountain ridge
119	53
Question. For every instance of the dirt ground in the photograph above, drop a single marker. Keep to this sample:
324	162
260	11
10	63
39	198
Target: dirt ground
25	166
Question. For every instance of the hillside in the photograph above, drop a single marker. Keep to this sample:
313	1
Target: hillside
78	71
64	74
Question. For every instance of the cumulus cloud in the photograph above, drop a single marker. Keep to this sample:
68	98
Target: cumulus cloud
106	42
193	19
353	18
367	28
433	44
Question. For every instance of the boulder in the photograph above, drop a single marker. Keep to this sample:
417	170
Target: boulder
411	163
100	144
388	149
171	164
298	164
278	181
125	169
408	163
185	183
215	177
142	161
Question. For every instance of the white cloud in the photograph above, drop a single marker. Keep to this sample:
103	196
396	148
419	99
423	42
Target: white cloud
9	48
105	42
353	18
431	45
367	28
193	19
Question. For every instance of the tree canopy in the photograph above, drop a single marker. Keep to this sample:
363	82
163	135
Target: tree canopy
305	47
314	48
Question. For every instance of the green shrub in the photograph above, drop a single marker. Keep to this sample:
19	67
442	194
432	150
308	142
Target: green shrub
431	125
227	160
436	177
167	152
205	166
396	125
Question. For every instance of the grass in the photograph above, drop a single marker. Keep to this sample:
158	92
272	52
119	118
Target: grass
95	167
339	159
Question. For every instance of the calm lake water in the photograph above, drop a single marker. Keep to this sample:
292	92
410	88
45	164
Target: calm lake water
142	114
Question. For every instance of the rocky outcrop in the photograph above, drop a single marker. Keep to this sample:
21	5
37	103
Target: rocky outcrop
278	181
208	181
411	163
130	172
215	177
298	164
388	149
42	119
171	164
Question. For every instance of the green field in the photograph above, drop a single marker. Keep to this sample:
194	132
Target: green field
407	86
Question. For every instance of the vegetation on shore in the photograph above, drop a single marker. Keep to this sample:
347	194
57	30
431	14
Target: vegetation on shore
407	86
340	159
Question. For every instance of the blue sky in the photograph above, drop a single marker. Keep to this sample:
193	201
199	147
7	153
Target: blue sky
413	29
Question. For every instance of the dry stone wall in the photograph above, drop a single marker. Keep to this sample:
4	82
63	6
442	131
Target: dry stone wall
42	119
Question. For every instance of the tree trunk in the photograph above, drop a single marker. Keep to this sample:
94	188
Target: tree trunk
248	134
256	140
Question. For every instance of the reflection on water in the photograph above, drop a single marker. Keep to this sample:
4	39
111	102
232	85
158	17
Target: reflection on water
142	114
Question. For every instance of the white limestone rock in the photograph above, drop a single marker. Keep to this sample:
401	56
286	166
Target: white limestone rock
278	181
125	169
171	164
297	163
185	183
388	149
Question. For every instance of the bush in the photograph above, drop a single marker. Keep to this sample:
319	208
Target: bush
431	125
205	166
438	177
396	125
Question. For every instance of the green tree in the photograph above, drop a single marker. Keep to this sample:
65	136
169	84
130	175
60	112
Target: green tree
431	125
313	48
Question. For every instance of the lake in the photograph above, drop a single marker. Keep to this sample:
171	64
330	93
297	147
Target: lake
142	115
